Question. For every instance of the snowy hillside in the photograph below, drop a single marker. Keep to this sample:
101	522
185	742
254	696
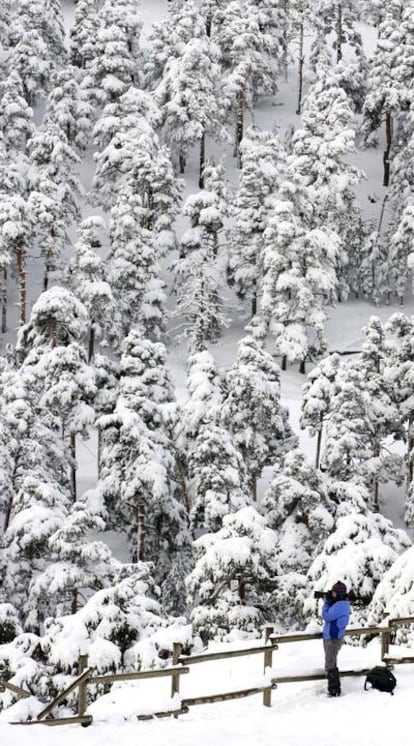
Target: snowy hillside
206	354
300	713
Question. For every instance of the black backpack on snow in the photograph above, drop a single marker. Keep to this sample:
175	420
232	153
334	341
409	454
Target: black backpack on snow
382	679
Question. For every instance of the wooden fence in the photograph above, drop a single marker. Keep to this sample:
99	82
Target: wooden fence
181	664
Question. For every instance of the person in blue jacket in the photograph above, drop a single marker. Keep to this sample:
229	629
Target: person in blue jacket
336	611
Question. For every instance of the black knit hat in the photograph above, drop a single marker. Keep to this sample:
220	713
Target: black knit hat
339	588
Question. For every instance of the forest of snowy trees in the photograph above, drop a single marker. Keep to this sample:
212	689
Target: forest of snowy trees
142	210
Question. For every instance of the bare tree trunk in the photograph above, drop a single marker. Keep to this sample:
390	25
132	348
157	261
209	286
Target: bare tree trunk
301	61
21	271
46	278
181	474
202	160
284	363
7	514
140	518
91	346
72	446
381	218
386	156
254	487
339	33
181	159
4	301
74	601
285	43
318	448
376	481
99	454
240	123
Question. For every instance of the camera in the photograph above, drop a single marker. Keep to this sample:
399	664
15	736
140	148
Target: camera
351	596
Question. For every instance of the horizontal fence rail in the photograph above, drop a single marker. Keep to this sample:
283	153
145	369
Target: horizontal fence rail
181	664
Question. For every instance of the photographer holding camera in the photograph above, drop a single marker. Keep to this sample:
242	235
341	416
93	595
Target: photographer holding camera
336	611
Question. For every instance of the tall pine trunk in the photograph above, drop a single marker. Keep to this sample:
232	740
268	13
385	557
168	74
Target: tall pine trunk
21	272
140	523
339	32
318	447
386	156
91	345
301	61
202	160
4	300
241	102
72	447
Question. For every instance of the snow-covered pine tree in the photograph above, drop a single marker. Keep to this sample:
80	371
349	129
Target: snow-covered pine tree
182	24
298	509
205	396
252	410
138	460
78	566
50	348
299	281
262	168
217	478
316	399
200	269
110	626
340	21
15	233
131	156
360	550
115	64
230	586
320	148
383	100
54	192
393	597
83	33
248	54
399	371
14	229
364	413
68	107
30	59
399	264
34	484
188	97
5	15
86	273
16	116
133	263
46	18
299	21
39	509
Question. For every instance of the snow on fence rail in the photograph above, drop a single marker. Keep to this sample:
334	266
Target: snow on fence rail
182	665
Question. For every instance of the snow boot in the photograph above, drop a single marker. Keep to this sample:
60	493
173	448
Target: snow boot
334	683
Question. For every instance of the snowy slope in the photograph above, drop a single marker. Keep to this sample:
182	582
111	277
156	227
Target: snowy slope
300	714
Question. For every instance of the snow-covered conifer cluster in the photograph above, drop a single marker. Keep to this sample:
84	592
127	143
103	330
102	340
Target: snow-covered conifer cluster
144	211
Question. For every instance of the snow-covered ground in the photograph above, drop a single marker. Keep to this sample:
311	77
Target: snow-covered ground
301	714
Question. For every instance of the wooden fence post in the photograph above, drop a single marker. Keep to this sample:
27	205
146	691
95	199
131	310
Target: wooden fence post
385	643
267	694
83	686
175	680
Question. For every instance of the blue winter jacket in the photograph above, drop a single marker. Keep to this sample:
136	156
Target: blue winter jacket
335	617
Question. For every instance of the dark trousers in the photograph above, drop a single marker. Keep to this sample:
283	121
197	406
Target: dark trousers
331	648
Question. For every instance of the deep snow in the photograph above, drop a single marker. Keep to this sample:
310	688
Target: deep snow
301	714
